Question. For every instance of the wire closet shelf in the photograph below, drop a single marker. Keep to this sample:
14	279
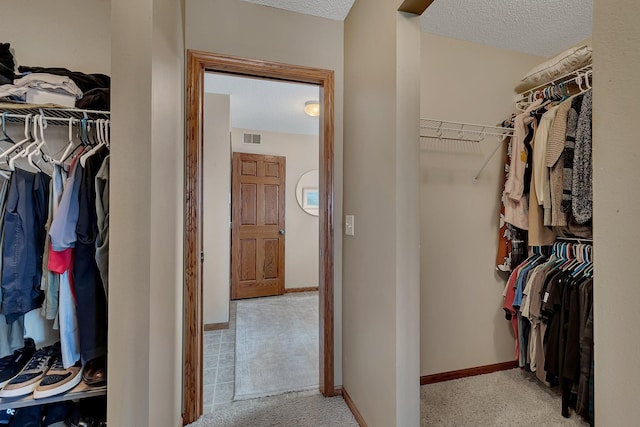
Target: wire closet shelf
463	137
572	83
56	116
458	131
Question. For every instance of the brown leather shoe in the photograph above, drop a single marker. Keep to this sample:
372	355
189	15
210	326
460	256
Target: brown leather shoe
95	372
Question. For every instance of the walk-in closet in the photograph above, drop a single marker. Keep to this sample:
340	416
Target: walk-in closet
506	207
54	227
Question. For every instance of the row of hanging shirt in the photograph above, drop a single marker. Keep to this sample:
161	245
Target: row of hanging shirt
549	301
548	176
54	237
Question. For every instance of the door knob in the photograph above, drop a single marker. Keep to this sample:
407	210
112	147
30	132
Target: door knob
281	232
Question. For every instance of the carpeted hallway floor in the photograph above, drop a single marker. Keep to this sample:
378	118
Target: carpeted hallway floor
302	409
506	398
500	399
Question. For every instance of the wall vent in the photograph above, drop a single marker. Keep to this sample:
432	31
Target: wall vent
253	138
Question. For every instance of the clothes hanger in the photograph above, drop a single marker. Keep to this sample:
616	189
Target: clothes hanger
78	147
101	143
68	148
19	144
5	137
586	79
92	133
25	152
576	262
579	269
107	130
40	148
34	148
578	81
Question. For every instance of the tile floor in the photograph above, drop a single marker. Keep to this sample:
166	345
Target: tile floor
219	364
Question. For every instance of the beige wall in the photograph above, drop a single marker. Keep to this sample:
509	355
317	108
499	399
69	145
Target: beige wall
616	179
145	295
216	233
380	325
301	239
74	35
235	27
462	322
407	219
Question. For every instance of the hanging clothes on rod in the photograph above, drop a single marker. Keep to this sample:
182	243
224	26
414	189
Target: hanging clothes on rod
544	172
54	216
549	301
547	202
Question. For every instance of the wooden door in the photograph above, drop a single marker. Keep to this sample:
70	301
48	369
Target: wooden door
257	232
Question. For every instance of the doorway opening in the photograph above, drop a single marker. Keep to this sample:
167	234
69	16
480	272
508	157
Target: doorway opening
260	241
198	64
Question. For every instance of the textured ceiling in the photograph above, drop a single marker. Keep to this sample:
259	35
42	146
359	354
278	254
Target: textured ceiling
537	27
332	9
266	105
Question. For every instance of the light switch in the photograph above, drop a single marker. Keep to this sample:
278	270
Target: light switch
349	224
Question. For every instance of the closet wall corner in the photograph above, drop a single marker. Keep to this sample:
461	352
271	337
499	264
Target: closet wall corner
459	217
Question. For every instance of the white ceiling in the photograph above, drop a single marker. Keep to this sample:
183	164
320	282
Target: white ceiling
331	9
537	27
266	105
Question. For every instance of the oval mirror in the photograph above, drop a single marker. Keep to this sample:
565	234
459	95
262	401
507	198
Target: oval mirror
307	192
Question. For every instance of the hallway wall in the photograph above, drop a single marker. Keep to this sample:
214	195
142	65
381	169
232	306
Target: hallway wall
216	210
381	260
146	218
616	179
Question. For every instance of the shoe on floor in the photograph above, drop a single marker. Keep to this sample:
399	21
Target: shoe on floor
12	364
95	372
90	412
58	380
27	380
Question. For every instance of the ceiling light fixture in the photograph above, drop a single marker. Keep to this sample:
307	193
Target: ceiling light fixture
312	108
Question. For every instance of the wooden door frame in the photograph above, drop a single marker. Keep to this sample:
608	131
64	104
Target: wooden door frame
198	63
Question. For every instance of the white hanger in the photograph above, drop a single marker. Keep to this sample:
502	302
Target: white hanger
101	143
107	128
19	144
27	149
38	149
586	79
69	146
578	81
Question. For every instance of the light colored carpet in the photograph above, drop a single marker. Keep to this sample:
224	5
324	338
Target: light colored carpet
506	398
276	345
305	409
